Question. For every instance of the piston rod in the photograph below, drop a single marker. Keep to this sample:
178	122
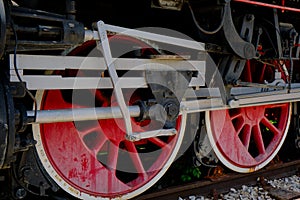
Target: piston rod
80	114
239	99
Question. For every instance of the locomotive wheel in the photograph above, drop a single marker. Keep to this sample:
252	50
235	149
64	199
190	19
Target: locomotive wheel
92	159
246	139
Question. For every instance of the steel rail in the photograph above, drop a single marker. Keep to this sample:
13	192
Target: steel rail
223	183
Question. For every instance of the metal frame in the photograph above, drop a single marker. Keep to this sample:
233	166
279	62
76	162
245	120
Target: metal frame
196	99
51	63
111	64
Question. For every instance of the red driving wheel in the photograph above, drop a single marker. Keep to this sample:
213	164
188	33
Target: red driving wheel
93	159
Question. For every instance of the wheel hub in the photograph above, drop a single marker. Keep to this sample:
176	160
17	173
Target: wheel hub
253	114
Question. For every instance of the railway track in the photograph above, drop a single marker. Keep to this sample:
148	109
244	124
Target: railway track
214	187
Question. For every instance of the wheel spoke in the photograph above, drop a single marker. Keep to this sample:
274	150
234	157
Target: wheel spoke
135	157
246	135
236	114
99	97
100	144
239	126
160	156
113	153
270	126
257	136
87	131
158	142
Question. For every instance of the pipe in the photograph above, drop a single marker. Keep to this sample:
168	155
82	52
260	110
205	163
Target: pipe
80	114
268	5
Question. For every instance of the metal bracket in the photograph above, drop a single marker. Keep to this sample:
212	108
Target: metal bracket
232	66
240	47
103	44
168	88
114	76
149	134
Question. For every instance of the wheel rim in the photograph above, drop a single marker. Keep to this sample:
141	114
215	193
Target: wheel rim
246	139
92	159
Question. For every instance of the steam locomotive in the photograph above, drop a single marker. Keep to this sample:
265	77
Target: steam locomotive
99	98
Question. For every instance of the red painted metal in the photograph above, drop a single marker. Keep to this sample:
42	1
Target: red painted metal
248	76
284	8
261	78
282	3
94	156
248	136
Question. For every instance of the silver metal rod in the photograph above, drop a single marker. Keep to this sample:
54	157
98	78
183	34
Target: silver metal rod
156	37
151	134
81	114
114	76
190	106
